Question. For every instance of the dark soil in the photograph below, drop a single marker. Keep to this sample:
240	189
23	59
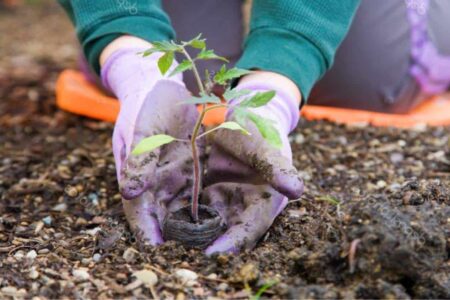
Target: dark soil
374	221
204	213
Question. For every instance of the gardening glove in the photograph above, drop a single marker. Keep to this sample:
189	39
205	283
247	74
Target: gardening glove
248	180
155	182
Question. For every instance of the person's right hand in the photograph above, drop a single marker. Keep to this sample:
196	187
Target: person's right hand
249	181
152	183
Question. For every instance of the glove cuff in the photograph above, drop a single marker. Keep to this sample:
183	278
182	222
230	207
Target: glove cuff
127	74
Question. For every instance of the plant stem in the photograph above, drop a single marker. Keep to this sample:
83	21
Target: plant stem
196	160
196	73
197	182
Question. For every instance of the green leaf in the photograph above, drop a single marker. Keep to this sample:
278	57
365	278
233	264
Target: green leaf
165	62
329	199
259	99
263	289
240	115
267	130
151	143
182	67
233	126
197	42
162	46
224	75
209	54
165	46
234	94
148	52
203	99
264	126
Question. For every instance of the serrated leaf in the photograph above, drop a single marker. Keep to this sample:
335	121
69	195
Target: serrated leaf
267	130
148	52
233	126
151	143
259	99
240	115
197	42
224	75
203	99
165	62
234	94
182	67
209	54
165	46
162	46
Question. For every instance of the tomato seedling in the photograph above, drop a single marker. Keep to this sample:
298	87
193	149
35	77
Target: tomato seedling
208	102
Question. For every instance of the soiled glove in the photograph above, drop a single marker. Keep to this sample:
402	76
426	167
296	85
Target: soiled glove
249	181
159	181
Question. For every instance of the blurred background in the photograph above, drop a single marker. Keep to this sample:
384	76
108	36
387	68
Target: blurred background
37	41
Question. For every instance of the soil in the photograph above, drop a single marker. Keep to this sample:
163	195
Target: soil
204	213
374	221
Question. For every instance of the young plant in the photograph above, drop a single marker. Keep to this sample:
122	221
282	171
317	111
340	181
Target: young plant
208	102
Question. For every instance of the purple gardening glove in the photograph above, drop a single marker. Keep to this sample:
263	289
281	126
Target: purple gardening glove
249	181
160	181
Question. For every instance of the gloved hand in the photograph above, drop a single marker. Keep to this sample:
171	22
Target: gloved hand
249	181
161	180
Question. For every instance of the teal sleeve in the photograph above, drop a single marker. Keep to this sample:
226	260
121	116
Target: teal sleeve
99	22
296	38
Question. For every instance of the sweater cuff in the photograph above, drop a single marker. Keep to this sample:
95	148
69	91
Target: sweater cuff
284	52
143	27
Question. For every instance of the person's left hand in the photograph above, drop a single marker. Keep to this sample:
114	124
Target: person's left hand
249	183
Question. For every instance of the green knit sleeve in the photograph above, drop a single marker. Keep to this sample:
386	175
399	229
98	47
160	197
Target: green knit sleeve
99	22
296	38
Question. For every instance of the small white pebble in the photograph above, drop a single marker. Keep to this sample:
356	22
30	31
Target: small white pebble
81	274
33	274
222	286
60	207
31	255
47	220
186	276
299	139
13	292
93	231
381	184
130	254
304	175
96	257
395	187
39	226
147	277
19	255
396	157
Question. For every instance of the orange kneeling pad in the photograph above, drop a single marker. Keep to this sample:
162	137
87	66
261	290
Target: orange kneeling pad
77	95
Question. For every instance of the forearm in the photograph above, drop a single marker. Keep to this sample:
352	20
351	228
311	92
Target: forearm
99	23
122	42
297	39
